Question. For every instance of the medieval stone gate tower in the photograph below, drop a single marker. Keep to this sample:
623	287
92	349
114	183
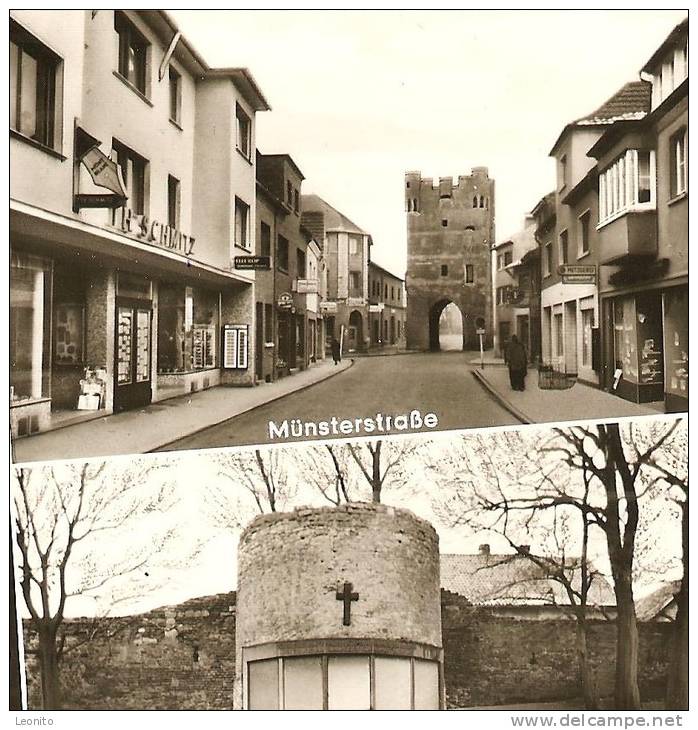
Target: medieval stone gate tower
450	231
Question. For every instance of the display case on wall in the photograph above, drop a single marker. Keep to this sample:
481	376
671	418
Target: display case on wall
69	337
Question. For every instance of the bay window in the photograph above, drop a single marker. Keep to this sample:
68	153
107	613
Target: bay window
627	184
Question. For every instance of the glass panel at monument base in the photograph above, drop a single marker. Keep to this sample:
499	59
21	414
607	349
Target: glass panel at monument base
303	683
426	685
348	683
263	679
392	680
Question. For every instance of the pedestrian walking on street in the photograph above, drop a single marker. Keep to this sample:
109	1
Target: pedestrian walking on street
336	354
517	360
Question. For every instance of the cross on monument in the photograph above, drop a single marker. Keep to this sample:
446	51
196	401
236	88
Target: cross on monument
347	597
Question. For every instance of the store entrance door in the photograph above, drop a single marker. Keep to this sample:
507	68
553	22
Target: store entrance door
133	353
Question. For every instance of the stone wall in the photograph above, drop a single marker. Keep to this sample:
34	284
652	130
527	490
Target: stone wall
183	657
493	660
174	658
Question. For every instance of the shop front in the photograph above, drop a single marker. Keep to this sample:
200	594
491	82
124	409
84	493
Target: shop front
98	326
646	346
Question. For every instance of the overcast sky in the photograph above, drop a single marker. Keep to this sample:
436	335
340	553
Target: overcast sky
359	97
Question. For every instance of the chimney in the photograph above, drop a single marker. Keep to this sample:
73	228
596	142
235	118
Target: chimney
524	549
484	549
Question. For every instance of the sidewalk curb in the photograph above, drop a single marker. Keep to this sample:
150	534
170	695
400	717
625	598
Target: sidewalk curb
332	374
519	415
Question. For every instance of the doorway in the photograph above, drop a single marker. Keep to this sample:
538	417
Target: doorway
355	332
445	327
133	354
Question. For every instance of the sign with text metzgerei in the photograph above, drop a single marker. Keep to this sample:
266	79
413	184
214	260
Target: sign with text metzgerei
578	273
154	232
247	263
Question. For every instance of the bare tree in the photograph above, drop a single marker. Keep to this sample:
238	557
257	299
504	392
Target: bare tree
261	477
70	525
485	481
377	460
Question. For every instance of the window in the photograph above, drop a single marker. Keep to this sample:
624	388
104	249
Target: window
469	274
300	263
244	132
296	201
392	293
559	339
354	284
173	201
399	293
242	224
187	328
268	323
678	163
508	257
343	682
133	170
474	201
583	247
587	325
562	172
175	95
629	182
133	52
548	259
564	246
264	240
444	270
444	223
354	242
282	253
33	103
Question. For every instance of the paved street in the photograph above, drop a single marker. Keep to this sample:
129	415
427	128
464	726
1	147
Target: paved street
440	383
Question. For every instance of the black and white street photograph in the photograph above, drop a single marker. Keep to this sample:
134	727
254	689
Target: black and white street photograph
348	364
244	227
538	569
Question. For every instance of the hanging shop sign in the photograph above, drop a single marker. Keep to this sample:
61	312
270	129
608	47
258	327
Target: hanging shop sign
104	171
153	232
328	307
307	286
578	273
285	301
251	263
235	346
376	308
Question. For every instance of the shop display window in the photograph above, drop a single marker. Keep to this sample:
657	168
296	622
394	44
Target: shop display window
676	341
29	296
625	338
188	325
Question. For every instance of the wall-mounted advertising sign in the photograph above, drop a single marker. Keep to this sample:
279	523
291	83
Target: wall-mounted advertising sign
578	273
252	263
376	308
307	286
328	307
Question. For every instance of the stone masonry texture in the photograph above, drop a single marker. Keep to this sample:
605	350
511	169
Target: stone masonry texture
183	657
449	225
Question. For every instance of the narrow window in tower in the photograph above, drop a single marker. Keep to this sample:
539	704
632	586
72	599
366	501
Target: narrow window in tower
414	205
475	201
444	222
444	270
409	205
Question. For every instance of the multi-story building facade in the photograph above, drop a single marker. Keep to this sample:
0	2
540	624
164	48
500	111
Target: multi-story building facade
346	251
450	233
387	307
126	215
570	249
288	293
513	288
643	234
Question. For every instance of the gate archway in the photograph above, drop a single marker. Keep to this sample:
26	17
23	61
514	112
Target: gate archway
446	327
